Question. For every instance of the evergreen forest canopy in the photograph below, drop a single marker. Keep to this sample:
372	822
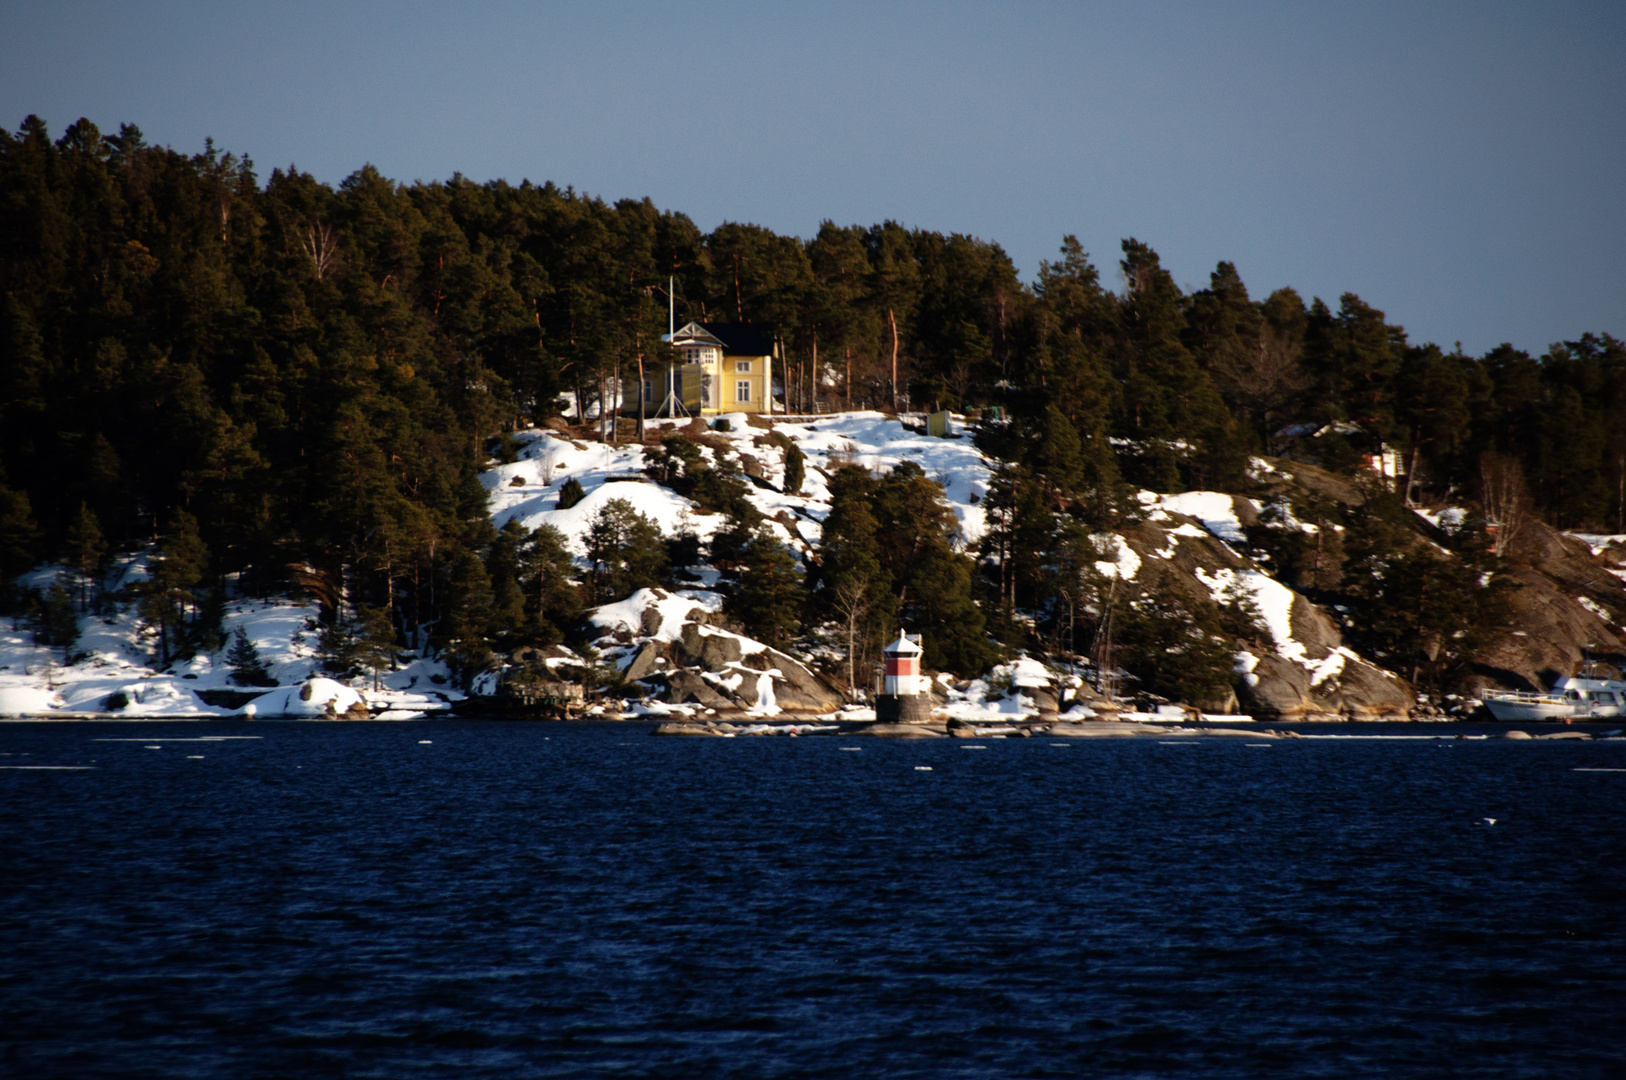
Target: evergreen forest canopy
299	384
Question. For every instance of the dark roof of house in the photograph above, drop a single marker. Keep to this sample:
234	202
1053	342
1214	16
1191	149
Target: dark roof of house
742	339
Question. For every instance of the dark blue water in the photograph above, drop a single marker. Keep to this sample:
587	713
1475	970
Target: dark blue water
547	900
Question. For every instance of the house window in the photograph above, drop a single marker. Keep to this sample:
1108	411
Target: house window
742	391
691	356
743	366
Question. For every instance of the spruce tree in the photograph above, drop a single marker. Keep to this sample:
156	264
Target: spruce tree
571	493
794	466
248	668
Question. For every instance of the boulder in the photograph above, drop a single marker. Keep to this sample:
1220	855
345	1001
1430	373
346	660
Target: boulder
1105	729
711	651
795	688
649	621
901	731
645	663
686	727
684	686
1360	692
1044	702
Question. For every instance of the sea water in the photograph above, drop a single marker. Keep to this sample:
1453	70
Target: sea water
445	899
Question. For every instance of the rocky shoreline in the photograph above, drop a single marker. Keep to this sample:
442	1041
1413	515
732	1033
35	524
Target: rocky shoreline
1085	729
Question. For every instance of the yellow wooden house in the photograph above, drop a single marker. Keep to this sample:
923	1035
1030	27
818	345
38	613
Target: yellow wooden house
723	368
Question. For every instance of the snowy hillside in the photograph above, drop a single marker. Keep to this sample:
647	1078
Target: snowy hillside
671	639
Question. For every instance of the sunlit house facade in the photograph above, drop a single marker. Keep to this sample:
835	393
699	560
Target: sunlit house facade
723	368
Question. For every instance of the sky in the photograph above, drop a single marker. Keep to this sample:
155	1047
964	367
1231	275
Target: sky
1460	166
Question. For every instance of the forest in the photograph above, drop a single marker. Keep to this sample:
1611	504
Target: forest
294	387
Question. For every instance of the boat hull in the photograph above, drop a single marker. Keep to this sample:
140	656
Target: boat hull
1529	709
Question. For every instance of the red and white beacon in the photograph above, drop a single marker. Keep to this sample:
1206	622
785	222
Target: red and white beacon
904	697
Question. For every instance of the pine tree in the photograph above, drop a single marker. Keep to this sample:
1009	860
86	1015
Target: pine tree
55	621
86	549
547	574
769	596
625	551
248	668
794	465
170	594
375	640
18	536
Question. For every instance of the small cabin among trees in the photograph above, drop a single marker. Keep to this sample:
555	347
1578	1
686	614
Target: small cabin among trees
723	368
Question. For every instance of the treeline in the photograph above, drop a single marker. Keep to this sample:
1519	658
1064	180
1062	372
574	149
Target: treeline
299	383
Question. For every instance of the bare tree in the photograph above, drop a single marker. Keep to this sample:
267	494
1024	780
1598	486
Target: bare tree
851	604
319	244
1503	494
1263	378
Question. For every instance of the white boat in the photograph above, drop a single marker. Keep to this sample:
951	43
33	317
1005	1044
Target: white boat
1525	705
1571	698
1605	697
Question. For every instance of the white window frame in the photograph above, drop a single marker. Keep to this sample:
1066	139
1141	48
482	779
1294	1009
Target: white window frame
742	391
742	367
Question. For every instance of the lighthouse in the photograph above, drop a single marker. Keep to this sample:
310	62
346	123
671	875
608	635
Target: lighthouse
903	693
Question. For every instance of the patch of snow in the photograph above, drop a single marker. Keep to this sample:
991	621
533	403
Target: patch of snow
1125	563
1245	663
1214	509
674	609
1599	542
1028	673
1274	601
1332	666
28	700
730	682
1597	609
765	704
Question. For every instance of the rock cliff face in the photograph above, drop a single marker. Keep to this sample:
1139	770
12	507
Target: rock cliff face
1567	609
1302	670
1568	606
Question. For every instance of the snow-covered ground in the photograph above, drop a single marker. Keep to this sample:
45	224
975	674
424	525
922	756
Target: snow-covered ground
115	654
547	460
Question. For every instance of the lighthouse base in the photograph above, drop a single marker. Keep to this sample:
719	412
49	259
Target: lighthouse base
911	709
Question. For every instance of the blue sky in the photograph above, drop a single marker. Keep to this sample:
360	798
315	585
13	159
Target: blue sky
1460	166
